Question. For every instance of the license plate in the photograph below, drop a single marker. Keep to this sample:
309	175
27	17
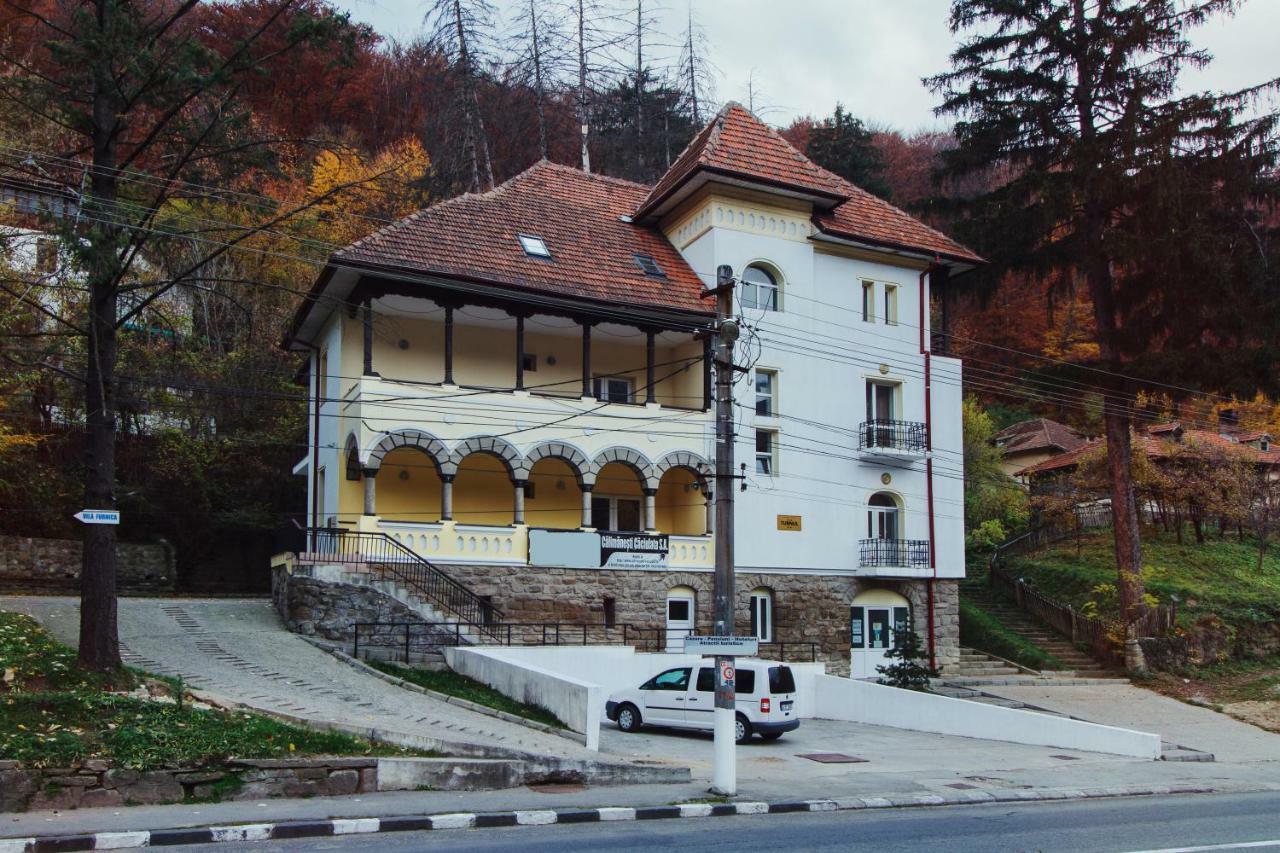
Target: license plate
786	706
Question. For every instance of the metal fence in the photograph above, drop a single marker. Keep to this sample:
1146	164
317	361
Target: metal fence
402	640
893	435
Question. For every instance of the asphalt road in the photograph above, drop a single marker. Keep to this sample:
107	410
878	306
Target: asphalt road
1186	823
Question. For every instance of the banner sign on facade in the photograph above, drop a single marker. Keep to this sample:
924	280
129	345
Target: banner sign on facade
729	646
789	522
633	550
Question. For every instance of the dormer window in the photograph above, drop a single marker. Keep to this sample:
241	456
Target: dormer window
534	247
650	266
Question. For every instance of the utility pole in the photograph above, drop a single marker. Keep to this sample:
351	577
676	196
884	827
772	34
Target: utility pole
724	777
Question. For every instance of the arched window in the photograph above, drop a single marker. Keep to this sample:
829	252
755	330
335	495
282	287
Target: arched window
884	517
759	289
762	614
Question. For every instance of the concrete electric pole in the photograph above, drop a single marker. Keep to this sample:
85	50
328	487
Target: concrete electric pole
724	778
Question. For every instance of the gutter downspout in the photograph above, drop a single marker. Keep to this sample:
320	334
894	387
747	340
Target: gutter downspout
928	463
315	446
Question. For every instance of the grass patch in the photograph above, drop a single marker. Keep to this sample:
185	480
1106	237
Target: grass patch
53	714
1218	576
454	684
984	632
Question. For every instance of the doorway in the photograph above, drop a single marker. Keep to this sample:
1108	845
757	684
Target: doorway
877	620
681	612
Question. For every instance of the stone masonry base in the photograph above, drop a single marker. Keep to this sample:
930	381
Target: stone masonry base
806	608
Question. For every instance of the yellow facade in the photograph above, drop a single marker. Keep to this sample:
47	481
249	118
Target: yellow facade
680	508
408	487
482	491
556	501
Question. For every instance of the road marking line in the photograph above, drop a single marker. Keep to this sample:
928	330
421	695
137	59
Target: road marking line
1236	845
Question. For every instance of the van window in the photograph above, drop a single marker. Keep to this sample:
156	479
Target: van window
746	682
706	680
781	680
672	679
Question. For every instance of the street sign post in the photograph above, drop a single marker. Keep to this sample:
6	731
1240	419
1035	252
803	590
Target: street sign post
727	646
98	516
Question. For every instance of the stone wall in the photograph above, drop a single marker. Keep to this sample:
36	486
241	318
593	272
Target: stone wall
28	564
811	608
95	784
331	610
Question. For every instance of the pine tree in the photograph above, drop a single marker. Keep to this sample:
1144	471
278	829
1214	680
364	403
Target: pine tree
907	669
1110	165
842	144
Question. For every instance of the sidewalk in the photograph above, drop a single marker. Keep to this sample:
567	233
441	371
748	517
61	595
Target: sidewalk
864	785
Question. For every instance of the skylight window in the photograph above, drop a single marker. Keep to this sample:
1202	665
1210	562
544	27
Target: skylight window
650	266
534	247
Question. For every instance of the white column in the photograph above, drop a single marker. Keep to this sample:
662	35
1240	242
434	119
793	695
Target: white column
650	509
586	506
519	494
446	497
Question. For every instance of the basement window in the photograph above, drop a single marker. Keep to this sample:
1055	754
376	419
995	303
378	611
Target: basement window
650	266
534	247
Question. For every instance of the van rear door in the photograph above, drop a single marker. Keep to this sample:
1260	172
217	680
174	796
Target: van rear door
782	689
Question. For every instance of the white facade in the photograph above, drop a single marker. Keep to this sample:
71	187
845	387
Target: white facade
821	355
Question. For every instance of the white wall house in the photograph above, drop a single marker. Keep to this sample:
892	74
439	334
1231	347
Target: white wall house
503	411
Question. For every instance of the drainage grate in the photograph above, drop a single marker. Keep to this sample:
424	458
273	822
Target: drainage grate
832	758
1066	757
551	788
961	786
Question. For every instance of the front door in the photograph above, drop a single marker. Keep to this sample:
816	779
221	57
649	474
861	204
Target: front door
619	514
665	696
679	621
872	632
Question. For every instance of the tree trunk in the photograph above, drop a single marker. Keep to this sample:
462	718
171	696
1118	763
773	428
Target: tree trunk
99	638
1197	524
1124	514
583	119
640	88
539	94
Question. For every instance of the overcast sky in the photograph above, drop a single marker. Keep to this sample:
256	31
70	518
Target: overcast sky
804	55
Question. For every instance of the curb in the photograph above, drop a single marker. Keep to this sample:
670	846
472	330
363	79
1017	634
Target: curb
546	817
579	739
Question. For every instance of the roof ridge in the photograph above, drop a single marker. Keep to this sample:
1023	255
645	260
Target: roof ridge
595	176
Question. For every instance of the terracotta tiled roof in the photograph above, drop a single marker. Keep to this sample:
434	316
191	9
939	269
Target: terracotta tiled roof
592	249
1157	447
736	144
1038	434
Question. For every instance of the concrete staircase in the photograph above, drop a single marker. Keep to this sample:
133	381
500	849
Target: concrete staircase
1075	662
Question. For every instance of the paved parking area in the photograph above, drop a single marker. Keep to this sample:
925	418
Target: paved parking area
893	759
238	649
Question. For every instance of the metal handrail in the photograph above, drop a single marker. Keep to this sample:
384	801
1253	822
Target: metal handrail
910	553
426	579
433	635
893	435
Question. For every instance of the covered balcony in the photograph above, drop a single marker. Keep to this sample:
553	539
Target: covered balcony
485	499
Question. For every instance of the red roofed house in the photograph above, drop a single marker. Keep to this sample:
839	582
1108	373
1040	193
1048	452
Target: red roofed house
1028	443
511	406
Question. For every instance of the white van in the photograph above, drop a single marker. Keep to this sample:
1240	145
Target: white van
765	693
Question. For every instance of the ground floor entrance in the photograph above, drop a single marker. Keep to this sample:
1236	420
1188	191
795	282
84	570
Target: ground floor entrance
877	618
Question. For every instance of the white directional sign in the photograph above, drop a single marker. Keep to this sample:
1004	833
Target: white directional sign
731	646
98	516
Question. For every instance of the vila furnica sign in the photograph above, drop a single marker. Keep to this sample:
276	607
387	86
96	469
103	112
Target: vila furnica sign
633	550
789	522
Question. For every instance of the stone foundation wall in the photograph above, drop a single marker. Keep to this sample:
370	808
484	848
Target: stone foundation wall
94	784
329	610
28	564
809	608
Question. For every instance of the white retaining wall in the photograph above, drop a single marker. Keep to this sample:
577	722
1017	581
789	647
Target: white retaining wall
876	704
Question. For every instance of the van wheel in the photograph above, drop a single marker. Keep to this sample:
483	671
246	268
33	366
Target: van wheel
771	735
629	718
742	729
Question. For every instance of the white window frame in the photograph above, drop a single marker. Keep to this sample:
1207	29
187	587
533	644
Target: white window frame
771	456
772	396
613	509
891	304
762	613
772	285
868	301
601	383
